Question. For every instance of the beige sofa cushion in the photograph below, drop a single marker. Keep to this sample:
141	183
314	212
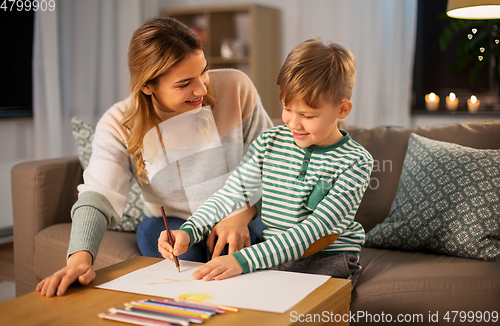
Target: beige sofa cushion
51	245
388	147
397	282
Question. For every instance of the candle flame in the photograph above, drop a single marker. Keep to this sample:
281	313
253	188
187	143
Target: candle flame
473	99
432	97
452	96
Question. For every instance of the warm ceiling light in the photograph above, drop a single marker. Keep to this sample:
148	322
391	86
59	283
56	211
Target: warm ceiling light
473	9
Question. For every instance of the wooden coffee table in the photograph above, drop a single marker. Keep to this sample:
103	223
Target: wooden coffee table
81	304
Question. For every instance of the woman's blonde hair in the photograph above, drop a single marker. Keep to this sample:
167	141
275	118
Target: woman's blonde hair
315	70
156	46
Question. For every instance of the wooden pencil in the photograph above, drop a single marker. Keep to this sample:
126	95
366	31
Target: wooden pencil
170	239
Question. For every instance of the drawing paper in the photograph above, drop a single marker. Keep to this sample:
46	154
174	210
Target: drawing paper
272	291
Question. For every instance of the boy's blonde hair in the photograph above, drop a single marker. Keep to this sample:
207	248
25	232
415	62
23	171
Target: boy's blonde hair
315	71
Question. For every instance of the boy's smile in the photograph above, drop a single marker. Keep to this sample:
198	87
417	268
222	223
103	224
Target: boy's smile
299	136
315	126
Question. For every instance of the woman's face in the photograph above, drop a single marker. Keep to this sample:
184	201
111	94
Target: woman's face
182	88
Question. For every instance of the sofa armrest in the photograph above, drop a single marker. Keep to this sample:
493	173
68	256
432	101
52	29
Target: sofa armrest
43	193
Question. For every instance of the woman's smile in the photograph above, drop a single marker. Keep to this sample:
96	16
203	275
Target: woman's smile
195	102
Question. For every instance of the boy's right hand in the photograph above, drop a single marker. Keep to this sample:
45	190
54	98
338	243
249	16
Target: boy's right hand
181	244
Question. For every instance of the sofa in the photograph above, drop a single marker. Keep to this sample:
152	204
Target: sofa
397	283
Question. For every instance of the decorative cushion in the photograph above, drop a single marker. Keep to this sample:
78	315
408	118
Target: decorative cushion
388	145
132	215
447	202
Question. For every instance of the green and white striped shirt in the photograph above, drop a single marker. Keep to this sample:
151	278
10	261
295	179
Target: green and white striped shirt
307	193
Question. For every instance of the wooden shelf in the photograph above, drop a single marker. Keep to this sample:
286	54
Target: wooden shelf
442	111
257	26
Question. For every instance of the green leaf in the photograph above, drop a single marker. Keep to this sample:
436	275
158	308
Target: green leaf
444	39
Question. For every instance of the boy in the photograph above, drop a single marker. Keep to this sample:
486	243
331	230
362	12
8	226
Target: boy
312	177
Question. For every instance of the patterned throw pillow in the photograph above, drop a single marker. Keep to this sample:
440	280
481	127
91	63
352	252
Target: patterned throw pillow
132	215
448	202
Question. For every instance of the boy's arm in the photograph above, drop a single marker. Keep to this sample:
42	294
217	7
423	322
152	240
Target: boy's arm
332	215
242	187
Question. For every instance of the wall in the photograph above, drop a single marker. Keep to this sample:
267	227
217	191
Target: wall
431	120
380	34
300	20
16	145
16	137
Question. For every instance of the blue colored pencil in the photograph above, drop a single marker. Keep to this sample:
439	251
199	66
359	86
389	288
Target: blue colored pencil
200	306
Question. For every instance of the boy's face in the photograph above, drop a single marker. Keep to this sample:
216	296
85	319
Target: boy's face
315	126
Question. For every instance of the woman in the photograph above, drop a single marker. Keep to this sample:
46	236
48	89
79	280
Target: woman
169	84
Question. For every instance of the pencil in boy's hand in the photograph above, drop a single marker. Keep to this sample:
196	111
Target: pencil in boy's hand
170	239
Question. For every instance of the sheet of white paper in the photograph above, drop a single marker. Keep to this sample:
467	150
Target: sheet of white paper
271	291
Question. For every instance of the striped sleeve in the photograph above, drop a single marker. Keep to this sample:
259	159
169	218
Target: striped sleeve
242	187
334	214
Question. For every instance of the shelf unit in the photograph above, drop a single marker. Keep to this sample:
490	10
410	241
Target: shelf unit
257	26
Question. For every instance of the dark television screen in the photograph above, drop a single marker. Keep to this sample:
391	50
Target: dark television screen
16	53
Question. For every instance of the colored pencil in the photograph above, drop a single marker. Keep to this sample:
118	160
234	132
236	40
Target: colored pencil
189	305
193	319
226	308
197	313
133	320
174	320
170	239
180	308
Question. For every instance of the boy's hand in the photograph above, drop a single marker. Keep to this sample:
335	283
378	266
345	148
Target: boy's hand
218	269
181	244
78	267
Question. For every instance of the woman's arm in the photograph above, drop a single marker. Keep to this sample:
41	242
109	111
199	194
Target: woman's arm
100	204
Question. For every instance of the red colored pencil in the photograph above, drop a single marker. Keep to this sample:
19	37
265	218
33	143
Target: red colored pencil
170	239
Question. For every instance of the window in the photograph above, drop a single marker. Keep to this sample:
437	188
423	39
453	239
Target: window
436	71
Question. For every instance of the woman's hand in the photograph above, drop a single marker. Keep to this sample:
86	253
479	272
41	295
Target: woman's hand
232	230
78	266
181	244
218	269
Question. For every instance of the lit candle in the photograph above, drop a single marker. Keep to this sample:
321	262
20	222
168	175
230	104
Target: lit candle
451	102
431	102
473	104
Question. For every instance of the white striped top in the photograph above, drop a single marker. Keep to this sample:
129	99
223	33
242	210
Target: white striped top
307	193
